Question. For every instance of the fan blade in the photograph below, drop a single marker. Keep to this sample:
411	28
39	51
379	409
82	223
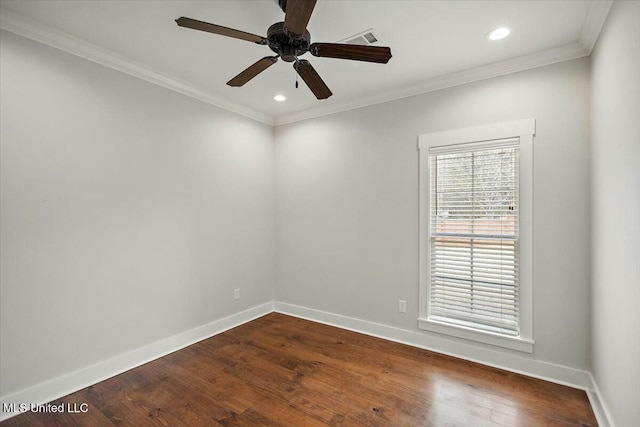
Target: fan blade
252	71
297	16
218	29
312	79
351	51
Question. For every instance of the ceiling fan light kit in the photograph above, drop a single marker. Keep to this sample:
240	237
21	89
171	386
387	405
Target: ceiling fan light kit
289	40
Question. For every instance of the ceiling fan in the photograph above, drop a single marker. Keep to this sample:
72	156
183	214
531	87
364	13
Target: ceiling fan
290	40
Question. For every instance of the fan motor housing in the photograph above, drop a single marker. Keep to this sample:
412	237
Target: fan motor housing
287	47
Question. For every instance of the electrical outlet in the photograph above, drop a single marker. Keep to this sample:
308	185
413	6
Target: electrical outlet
402	306
236	294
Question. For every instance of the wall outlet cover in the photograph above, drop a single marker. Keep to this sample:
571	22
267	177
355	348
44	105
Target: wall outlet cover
402	306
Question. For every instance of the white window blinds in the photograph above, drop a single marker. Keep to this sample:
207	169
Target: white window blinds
474	236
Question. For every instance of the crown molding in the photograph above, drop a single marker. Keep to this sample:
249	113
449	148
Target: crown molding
527	62
42	33
593	23
591	28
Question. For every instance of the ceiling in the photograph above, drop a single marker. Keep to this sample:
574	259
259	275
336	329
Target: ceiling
435	44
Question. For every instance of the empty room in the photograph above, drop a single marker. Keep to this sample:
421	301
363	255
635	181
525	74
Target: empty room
320	213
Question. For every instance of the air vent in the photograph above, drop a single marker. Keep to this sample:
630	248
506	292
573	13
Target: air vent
364	38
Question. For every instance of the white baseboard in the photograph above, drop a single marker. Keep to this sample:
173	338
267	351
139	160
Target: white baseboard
499	359
599	407
63	385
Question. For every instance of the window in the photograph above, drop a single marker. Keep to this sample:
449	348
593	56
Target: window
475	232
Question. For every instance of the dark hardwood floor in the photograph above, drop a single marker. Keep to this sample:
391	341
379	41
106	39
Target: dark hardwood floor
280	370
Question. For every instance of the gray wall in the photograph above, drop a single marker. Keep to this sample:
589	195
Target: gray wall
347	202
129	213
616	213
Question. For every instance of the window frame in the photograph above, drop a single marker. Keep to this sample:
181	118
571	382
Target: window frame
524	130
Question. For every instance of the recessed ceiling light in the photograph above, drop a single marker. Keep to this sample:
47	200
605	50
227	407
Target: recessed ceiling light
499	33
280	98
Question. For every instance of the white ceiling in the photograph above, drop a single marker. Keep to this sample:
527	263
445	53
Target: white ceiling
435	44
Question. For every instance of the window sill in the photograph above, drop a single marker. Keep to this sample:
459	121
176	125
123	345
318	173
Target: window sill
513	343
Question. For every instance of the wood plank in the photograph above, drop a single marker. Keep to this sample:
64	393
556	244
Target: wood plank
281	370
